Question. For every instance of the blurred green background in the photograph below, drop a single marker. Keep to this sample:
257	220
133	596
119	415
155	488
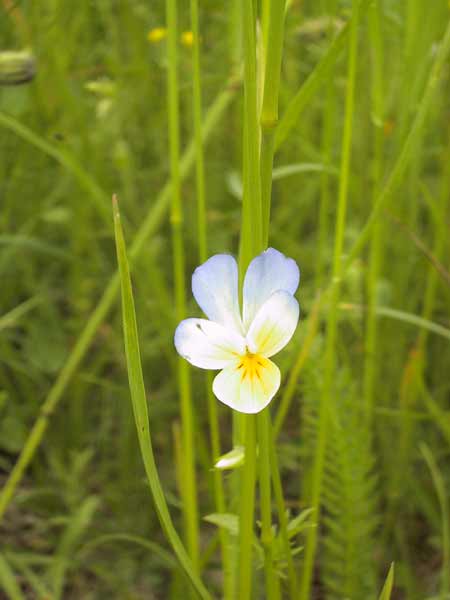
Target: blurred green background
91	121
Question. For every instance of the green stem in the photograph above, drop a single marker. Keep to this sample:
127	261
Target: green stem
252	135
199	160
264	434
330	349
282	516
376	247
247	510
274	11
188	480
250	246
438	247
327	145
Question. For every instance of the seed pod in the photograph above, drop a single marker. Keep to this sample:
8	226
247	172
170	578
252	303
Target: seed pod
16	67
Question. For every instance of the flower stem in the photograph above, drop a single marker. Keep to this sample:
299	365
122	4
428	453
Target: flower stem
250	246
264	435
247	510
376	247
330	348
281	508
188	487
252	181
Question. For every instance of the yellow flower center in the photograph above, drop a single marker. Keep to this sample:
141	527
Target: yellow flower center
251	366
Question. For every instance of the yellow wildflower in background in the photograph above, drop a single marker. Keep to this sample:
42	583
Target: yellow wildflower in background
156	35
187	38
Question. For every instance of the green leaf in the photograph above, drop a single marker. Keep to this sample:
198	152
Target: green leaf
299	523
387	587
227	521
139	403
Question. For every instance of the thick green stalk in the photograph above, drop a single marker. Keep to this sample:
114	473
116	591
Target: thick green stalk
188	481
376	246
330	349
273	33
219	494
250	246
252	137
273	48
150	225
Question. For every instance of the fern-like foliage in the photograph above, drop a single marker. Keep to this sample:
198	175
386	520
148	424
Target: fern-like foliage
351	507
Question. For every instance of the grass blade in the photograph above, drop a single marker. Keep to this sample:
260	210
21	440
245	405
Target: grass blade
139	402
388	584
8	581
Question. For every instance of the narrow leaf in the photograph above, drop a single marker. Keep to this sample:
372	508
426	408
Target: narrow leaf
139	403
388	584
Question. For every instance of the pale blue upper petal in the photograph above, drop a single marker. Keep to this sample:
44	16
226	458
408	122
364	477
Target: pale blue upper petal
267	273
215	287
208	345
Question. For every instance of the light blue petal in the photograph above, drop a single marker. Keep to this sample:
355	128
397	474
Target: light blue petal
269	272
215	287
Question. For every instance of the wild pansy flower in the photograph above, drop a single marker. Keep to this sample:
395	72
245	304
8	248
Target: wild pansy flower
241	345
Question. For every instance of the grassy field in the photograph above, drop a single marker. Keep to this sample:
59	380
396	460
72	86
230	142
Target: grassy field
320	129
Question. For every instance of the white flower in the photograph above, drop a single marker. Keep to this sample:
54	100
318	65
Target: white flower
242	346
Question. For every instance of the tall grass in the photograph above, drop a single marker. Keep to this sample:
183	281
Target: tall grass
317	128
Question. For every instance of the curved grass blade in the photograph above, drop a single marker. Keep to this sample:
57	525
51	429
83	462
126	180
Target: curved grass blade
388	584
405	317
139	403
152	547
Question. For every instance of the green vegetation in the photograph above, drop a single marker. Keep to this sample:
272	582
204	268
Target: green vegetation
318	128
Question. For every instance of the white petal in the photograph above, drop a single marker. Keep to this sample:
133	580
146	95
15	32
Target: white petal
208	345
247	390
215	287
274	324
267	273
